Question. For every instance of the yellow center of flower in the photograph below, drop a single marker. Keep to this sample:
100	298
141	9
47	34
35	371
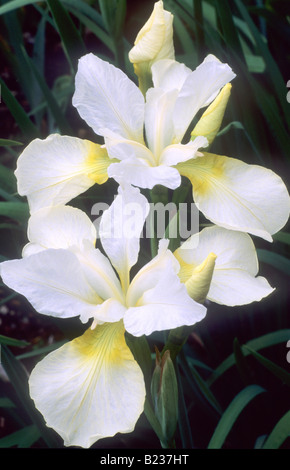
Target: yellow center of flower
97	163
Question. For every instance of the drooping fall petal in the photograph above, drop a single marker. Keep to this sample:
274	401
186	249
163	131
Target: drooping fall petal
90	388
55	170
238	196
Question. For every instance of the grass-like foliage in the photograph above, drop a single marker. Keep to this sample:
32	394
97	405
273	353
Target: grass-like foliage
233	373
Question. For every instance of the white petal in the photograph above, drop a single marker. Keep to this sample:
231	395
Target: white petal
90	388
98	271
60	227
198	90
121	149
169	74
140	173
176	153
53	282
55	170
230	287
120	229
238	196
234	280
158	119
158	300
106	98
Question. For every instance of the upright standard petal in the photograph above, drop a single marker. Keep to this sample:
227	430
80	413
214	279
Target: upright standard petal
234	278
120	230
238	196
55	170
198	90
106	98
158	119
156	298
59	227
90	388
169	74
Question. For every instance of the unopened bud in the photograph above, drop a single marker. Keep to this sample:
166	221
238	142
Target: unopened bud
164	391
210	122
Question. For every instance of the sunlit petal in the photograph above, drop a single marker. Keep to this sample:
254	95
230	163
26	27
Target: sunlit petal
90	388
176	153
169	74
106	98
158	119
120	230
55	170
198	90
157	299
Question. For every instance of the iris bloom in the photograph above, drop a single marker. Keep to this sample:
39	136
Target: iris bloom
225	264
92	387
144	146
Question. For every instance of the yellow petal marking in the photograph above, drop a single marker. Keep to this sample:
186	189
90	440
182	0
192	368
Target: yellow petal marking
97	163
205	173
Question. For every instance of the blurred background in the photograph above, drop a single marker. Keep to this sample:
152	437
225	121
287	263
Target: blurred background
233	372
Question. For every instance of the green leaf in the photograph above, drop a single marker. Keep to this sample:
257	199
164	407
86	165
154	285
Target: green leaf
150	415
232	413
273	71
19	379
22	120
231	36
14	5
278	371
282	237
72	41
15	210
241	363
262	342
196	382
142	354
23	438
183	420
274	259
279	433
5	402
7	180
9	143
13	342
52	104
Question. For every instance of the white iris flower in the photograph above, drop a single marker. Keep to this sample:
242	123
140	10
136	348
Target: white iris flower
92	387
144	145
